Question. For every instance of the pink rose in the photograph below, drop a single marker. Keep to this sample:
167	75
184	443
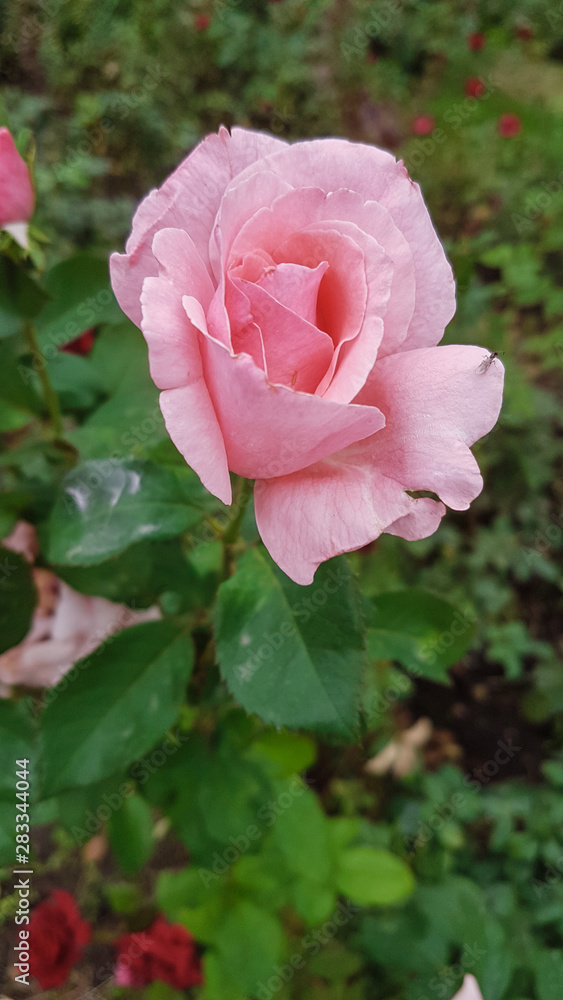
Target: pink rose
292	297
16	191
469	990
423	125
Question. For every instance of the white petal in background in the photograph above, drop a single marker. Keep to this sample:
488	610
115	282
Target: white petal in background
469	990
66	625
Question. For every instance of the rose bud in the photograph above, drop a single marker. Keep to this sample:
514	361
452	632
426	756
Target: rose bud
16	190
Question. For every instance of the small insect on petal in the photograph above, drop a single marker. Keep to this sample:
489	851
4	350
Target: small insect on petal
487	361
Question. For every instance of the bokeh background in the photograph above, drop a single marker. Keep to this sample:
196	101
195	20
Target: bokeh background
470	96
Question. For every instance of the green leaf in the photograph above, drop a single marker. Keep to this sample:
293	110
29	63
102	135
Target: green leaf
75	381
105	506
120	701
288	753
335	963
249	943
16	378
18	743
423	632
124	897
300	831
17	598
120	357
130	830
20	297
549	974
139	576
158	990
510	643
383	937
130	423
312	900
294	655
372	877
80	297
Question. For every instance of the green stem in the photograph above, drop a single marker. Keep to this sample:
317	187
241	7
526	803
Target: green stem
49	394
231	533
244	493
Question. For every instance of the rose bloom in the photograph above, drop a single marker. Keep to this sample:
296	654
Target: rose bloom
16	191
57	935
164	952
202	22
81	345
423	125
292	297
66	625
474	87
469	990
509	125
476	41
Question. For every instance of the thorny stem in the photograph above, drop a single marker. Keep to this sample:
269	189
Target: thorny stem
49	394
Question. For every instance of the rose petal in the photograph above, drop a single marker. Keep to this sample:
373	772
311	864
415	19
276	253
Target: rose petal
333	507
301	227
295	287
356	353
189	199
331	164
245	335
297	354
375	220
180	262
348	500
16	190
272	430
470	990
174	355
240	203
436	405
192	424
176	366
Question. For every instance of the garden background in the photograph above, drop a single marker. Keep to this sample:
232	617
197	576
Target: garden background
422	838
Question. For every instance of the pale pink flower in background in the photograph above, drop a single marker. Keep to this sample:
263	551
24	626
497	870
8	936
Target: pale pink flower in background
469	990
16	190
123	976
66	625
292	298
401	755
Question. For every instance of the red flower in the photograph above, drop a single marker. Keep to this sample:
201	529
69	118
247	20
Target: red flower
82	344
509	125
524	32
57	935
202	22
476	41
164	951
423	125
474	87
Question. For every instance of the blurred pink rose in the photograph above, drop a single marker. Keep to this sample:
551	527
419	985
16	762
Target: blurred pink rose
509	125
66	625
292	297
423	125
16	191
469	990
